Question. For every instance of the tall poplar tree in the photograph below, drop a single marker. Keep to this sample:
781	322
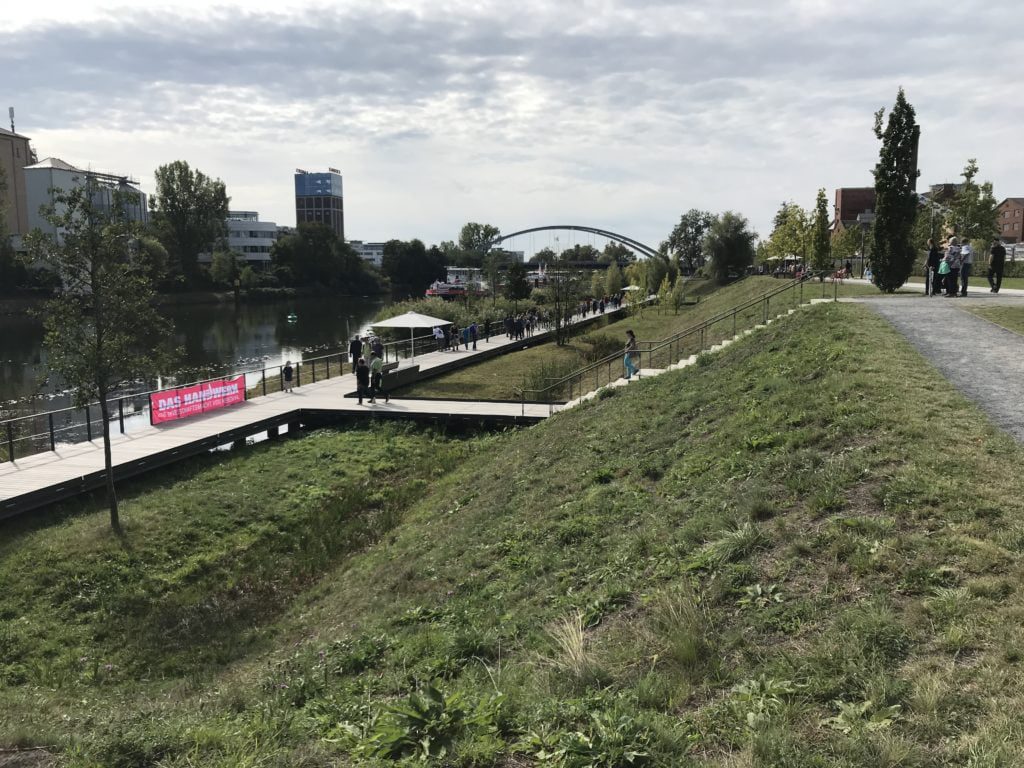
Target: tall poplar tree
821	243
893	254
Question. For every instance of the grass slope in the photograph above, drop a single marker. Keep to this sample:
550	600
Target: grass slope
775	558
1011	318
502	378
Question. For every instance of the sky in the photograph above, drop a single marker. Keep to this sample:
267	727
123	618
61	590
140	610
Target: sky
615	114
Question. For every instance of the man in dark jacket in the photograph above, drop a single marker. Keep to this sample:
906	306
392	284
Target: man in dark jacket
932	283
995	265
355	350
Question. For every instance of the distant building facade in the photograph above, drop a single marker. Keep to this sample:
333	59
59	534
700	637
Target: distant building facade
15	154
319	200
851	202
371	252
45	179
1010	220
251	237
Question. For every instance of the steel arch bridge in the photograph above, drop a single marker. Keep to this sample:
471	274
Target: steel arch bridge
640	248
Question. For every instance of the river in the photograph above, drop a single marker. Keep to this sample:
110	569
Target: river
216	339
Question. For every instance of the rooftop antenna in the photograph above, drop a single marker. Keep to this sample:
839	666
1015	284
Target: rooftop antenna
10	111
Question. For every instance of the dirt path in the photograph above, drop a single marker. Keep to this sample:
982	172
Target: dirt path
980	358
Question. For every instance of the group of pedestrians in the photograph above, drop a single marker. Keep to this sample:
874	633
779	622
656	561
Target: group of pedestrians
448	337
949	269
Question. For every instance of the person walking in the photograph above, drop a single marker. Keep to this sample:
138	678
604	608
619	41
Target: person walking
362	379
286	376
931	270
377	378
355	349
439	338
474	332
952	264
966	262
631	358
997	260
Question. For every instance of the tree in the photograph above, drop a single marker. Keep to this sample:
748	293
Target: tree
790	231
225	267
102	327
616	252
893	254
729	247
544	256
972	211
189	215
517	286
474	240
411	266
565	289
613	279
665	293
821	245
685	242
846	242
580	253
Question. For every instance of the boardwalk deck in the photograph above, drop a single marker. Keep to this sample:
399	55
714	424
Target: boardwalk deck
44	478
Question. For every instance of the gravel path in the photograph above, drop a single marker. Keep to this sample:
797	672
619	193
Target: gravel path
981	359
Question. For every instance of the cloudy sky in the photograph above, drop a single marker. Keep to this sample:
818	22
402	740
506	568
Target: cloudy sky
620	114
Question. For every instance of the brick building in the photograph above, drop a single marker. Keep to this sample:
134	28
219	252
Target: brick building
1010	220
850	202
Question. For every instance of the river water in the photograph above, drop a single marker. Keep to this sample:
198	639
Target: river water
216	339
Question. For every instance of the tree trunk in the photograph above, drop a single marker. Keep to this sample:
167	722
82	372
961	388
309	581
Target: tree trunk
115	520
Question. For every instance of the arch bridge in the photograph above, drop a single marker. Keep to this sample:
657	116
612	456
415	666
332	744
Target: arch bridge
635	245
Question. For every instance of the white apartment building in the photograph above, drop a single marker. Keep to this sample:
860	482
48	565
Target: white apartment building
371	252
251	237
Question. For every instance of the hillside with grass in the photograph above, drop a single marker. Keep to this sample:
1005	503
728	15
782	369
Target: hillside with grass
790	554
504	378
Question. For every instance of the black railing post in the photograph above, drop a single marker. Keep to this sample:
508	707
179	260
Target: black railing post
120	414
298	374
314	370
53	444
88	425
10	442
263	381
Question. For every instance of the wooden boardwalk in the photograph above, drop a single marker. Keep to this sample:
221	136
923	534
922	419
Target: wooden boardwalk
43	478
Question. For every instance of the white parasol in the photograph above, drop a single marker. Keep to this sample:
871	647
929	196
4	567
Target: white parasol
412	321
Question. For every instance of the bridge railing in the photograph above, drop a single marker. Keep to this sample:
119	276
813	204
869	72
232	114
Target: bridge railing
661	354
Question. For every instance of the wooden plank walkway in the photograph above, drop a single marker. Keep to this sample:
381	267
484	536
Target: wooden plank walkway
44	478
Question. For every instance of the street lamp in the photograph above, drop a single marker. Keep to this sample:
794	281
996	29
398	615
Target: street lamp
864	221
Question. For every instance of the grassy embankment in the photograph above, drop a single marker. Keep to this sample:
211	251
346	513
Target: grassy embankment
503	378
1011	318
772	558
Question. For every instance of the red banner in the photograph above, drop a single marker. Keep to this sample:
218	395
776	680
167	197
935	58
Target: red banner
173	404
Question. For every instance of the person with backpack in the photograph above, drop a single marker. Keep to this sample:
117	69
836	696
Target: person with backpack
631	359
950	267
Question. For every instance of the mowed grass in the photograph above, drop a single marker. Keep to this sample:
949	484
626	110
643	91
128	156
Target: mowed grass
1011	318
767	559
505	377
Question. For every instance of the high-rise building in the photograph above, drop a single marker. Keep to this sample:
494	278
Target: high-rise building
318	199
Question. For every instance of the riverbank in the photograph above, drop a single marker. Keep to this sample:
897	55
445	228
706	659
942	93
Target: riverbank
759	560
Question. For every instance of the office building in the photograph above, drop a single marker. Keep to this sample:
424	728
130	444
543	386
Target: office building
1009	218
250	237
318	200
371	252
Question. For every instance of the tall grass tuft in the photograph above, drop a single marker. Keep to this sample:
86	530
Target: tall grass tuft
683	630
572	656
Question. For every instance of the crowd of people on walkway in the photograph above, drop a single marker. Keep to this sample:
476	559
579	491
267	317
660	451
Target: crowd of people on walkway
948	268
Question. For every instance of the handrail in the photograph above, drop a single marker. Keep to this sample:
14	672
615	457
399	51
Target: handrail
701	328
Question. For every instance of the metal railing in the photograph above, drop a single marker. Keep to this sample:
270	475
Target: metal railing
661	354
